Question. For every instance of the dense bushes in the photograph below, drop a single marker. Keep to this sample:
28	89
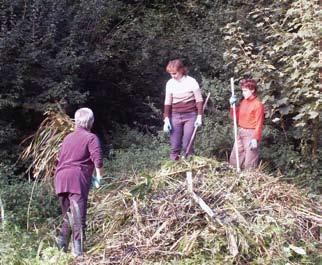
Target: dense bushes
278	48
110	56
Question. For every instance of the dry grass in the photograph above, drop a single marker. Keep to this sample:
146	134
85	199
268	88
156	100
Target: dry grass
218	216
45	143
256	218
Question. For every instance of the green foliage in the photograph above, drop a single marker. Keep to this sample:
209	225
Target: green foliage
214	138
34	246
19	247
285	157
109	55
276	44
133	151
278	48
16	197
142	189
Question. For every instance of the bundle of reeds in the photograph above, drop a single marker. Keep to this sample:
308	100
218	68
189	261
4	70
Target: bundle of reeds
252	218
45	143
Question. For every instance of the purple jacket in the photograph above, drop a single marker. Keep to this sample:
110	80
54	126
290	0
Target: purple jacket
80	153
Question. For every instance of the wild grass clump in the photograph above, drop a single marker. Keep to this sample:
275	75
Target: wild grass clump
32	248
45	144
154	219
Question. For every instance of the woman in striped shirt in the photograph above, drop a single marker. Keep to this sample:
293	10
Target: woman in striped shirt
182	108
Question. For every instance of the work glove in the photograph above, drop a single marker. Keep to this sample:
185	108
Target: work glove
198	121
167	125
253	144
96	181
233	100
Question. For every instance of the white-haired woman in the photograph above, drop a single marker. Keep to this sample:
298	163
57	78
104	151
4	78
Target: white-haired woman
79	155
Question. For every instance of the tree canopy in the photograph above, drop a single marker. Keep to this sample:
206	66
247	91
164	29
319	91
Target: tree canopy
111	55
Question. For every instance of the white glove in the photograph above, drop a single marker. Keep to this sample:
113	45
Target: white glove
233	100
167	125
253	144
198	121
96	180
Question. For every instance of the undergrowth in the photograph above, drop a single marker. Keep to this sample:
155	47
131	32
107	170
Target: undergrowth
33	245
131	154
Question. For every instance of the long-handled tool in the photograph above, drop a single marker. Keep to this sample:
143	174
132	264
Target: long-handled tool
195	129
235	123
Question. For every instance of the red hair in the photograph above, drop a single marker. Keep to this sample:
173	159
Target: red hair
248	83
176	66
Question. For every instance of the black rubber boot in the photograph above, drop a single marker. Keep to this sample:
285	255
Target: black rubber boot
62	243
78	248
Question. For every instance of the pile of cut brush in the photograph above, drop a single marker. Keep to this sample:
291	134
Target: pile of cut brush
44	145
220	217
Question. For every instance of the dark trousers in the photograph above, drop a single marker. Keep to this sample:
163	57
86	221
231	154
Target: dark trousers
182	130
74	209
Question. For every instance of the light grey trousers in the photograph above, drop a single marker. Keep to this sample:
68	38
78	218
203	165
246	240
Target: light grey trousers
248	158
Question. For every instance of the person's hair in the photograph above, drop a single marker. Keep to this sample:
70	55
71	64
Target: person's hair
248	83
84	118
177	65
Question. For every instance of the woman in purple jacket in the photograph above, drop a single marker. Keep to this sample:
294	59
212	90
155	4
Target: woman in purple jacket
79	155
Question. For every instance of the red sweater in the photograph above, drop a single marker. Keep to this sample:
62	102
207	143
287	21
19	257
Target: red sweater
250	115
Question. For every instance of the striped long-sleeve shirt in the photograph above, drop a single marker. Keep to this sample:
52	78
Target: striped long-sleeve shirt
182	96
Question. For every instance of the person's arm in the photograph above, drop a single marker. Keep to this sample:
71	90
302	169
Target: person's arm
197	95
232	113
97	158
259	116
167	103
167	109
100	172
199	101
95	150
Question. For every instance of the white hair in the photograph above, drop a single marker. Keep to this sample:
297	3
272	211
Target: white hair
84	118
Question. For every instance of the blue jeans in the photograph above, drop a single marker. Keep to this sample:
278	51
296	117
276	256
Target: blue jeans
182	130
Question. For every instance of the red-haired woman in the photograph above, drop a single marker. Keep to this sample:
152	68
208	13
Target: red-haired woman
182	108
250	120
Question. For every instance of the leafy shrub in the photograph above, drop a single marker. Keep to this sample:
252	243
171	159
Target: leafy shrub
282	156
214	138
286	69
16	197
132	150
19	245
